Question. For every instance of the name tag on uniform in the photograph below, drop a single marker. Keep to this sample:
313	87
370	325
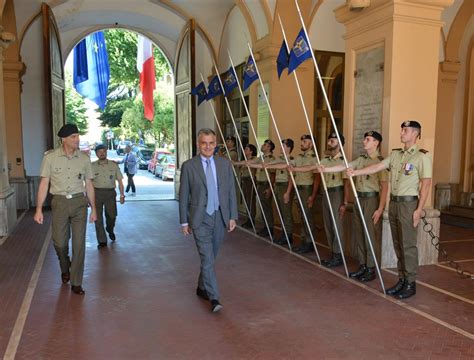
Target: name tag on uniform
408	169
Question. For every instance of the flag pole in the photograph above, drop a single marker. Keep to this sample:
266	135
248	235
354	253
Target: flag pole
233	169
284	154
354	190
318	160
245	156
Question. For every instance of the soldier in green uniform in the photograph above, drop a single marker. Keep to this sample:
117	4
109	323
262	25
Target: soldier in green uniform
263	187
231	142
69	172
283	190
338	190
247	186
372	194
106	175
410	180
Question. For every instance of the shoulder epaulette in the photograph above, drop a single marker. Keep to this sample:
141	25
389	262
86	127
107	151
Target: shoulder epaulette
341	158
423	151
363	155
313	155
48	151
300	155
291	157
380	157
398	149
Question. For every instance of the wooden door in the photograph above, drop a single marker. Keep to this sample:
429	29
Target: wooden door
54	78
185	112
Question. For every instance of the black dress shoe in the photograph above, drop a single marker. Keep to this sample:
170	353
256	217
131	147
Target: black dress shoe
409	289
112	236
359	272
215	306
77	290
65	277
335	261
396	288
368	275
101	245
202	293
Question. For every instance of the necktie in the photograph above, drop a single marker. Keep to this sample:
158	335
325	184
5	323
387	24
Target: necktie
212	199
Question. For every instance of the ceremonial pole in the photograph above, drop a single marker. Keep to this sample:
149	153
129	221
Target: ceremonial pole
233	169
318	160
284	154
323	90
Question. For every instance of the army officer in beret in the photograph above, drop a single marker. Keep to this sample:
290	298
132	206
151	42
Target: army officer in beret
69	172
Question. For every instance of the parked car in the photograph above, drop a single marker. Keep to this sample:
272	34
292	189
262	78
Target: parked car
122	145
166	167
157	155
143	155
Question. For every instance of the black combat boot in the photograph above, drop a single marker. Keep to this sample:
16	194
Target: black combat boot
396	288
369	275
359	272
409	289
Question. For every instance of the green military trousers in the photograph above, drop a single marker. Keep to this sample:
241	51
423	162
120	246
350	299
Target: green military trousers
285	209
305	192
69	217
364	254
336	199
105	199
404	235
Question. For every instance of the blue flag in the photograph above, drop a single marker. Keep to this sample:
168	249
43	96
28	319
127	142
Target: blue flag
282	59
214	88
250	73
229	81
200	91
96	84
300	51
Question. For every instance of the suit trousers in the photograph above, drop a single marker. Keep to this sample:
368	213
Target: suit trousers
208	237
368	205
70	216
105	200
404	235
336	199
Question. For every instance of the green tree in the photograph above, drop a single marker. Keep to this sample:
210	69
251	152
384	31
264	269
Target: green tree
75	107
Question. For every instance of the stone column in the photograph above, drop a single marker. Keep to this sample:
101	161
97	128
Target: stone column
409	33
7	194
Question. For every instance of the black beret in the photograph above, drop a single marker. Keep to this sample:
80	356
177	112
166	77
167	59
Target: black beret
68	130
306	137
333	135
269	142
289	142
100	147
374	134
411	123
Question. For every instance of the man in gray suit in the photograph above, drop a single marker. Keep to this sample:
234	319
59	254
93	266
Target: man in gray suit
207	206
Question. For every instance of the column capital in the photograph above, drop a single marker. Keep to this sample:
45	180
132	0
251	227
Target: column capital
449	71
6	39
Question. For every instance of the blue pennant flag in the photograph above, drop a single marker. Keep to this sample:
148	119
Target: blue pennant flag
282	59
214	88
95	86
229	81
200	92
300	51
250	73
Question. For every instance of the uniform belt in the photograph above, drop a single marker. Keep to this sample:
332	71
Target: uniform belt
281	182
335	189
403	198
367	194
262	182
104	189
70	196
304	186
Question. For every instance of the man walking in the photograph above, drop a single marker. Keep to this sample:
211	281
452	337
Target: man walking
130	169
410	180
207	205
70	173
106	175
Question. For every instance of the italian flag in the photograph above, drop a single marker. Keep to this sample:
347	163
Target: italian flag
146	68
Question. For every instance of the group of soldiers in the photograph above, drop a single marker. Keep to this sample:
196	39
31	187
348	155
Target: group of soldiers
409	170
75	184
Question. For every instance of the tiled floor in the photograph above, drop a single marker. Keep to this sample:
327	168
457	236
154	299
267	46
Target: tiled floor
140	302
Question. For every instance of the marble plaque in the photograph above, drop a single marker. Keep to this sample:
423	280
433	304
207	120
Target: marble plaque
368	96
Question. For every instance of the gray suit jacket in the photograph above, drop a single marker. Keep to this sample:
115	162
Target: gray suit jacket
193	191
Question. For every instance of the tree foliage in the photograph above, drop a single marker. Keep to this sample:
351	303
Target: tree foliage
75	107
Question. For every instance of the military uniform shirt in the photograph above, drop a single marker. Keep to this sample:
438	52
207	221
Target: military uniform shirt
282	174
232	154
407	167
306	158
105	174
244	170
334	179
260	174
67	176
368	183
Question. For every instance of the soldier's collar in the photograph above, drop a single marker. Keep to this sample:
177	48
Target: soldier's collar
337	156
411	149
106	161
309	151
63	153
375	155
